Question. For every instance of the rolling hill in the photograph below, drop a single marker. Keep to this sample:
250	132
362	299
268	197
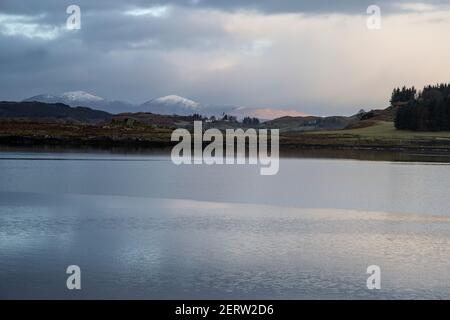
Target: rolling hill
51	111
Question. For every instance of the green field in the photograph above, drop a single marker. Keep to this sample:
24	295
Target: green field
386	130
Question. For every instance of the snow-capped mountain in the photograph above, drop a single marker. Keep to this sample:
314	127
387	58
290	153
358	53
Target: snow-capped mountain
66	98
176	100
80	96
85	99
172	104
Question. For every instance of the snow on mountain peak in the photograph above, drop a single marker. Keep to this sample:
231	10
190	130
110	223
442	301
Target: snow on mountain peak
80	96
174	99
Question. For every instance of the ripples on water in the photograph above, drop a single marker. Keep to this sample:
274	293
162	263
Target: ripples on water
152	244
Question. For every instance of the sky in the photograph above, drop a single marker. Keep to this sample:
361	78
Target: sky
317	57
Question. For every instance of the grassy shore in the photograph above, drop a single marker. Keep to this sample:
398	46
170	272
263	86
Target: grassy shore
75	134
384	129
380	136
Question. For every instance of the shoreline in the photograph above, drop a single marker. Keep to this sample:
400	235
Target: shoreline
379	141
303	141
136	147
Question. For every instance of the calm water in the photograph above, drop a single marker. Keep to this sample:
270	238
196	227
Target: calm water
140	227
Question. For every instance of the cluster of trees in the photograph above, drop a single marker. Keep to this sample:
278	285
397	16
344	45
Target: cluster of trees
227	117
250	121
198	116
429	110
403	95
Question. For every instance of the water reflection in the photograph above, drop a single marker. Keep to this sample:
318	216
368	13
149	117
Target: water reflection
132	247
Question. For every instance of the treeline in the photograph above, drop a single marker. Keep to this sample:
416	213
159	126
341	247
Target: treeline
427	110
250	121
227	118
403	95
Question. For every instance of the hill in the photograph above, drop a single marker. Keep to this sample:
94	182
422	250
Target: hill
85	99
309	123
53	111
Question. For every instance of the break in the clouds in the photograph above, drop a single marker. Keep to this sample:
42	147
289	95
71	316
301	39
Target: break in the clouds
316	57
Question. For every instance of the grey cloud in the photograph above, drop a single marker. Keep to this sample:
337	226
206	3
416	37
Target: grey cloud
115	55
193	53
267	6
53	7
114	30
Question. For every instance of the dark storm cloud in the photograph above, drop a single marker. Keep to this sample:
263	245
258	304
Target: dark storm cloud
113	54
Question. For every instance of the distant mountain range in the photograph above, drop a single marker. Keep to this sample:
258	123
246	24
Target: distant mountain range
168	105
43	112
